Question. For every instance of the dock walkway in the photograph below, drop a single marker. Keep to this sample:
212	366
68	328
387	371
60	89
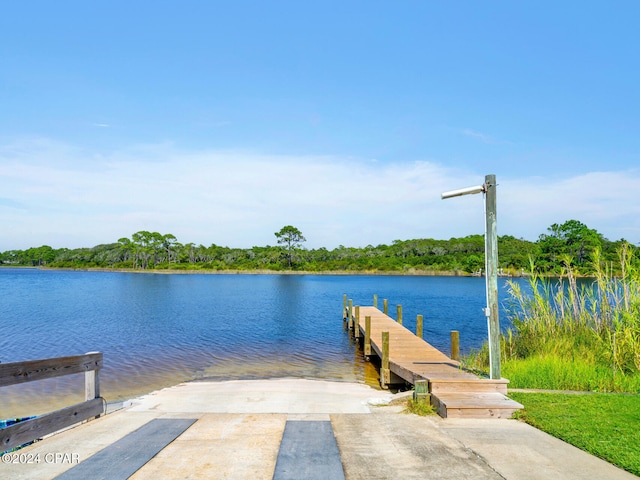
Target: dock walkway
453	391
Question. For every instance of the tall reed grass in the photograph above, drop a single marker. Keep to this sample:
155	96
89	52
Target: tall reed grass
566	336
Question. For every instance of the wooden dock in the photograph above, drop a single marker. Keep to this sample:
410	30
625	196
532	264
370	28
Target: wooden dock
405	357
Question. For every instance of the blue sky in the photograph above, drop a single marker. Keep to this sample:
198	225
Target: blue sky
221	122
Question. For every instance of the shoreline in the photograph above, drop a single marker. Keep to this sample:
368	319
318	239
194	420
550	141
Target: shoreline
25	404
390	273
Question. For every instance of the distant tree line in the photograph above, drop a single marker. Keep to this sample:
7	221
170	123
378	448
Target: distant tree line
571	242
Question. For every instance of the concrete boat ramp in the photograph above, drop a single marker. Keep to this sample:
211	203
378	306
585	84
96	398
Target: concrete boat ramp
295	429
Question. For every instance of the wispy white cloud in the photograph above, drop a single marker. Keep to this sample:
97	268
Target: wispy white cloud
482	137
477	135
237	198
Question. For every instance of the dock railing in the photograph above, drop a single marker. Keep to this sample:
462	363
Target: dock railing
28	371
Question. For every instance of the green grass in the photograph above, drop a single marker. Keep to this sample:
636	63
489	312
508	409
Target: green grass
554	372
605	425
419	407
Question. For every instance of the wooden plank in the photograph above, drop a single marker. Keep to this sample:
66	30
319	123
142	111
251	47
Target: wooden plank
22	372
433	371
473	385
405	373
474	405
438	406
24	432
463	400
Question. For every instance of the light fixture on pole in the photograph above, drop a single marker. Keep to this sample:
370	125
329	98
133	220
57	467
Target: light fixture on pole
491	265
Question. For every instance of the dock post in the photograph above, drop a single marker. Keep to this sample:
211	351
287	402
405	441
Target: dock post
367	337
385	306
375	300
399	310
344	307
419	326
385	373
455	345
356	323
350	313
91	384
421	390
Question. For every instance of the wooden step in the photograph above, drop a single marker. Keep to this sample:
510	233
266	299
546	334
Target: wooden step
474	405
478	385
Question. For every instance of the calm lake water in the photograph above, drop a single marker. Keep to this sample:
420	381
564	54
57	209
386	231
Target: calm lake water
157	330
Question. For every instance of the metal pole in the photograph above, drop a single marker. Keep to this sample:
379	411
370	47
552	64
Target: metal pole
491	265
491	275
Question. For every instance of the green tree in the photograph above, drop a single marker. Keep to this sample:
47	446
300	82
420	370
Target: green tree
126	247
473	263
292	238
169	241
572	239
142	248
